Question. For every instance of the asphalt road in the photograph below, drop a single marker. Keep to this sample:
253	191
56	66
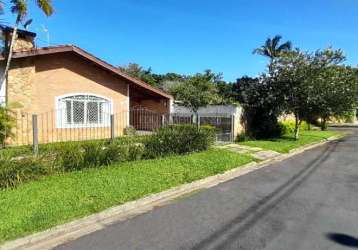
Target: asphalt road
307	202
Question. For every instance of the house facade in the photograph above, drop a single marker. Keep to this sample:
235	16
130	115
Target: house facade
73	91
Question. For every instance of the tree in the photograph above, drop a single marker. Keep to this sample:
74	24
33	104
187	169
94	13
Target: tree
20	9
273	49
262	102
315	84
137	71
336	92
225	92
197	91
291	72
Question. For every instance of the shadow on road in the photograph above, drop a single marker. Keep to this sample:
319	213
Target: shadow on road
225	236
343	239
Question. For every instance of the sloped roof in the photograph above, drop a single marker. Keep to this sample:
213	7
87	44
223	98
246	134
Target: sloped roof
82	53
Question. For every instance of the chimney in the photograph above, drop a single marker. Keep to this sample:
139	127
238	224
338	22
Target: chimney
25	39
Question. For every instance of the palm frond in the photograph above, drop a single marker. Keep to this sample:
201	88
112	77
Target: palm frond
287	46
46	6
19	7
275	41
259	51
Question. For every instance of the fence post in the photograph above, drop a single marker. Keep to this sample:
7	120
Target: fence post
198	120
163	120
232	128
35	135
112	127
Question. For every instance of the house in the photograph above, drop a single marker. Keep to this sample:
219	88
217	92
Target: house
226	118
72	91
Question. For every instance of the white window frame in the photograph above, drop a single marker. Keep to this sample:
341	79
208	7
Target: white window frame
61	116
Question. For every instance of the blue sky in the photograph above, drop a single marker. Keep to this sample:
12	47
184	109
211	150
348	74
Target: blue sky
189	36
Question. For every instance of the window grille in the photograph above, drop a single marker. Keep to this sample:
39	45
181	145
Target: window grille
83	110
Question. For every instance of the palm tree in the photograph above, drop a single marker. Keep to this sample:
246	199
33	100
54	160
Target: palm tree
20	9
272	48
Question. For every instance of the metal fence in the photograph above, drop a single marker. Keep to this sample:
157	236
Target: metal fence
61	125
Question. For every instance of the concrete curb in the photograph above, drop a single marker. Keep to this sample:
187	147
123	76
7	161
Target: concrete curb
73	230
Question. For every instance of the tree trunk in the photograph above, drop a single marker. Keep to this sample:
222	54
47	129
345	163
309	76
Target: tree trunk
297	126
10	52
324	124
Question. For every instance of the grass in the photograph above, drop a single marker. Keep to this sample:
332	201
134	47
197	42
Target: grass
287	143
58	199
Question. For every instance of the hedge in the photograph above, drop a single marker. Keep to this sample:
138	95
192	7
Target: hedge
75	156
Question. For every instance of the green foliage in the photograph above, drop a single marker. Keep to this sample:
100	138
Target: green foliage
137	71
18	171
288	126
286	143
7	122
315	84
73	157
242	137
197	91
262	103
130	130
54	200
347	117
272	47
180	139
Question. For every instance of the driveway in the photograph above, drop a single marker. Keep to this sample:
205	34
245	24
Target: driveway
307	202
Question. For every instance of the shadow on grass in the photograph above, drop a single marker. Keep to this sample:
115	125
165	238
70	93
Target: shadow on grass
229	233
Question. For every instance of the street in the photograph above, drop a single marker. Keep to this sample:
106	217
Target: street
307	202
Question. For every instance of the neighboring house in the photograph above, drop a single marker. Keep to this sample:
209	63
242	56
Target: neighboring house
228	118
74	88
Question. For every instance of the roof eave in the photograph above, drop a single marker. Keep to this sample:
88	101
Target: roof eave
90	57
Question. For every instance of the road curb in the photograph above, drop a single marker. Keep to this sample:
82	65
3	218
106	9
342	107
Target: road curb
73	230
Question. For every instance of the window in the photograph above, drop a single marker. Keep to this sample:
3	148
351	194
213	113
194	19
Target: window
83	110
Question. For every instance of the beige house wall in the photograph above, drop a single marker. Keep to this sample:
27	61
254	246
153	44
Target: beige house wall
34	83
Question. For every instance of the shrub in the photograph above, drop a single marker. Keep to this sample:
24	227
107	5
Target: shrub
91	154
261	123
15	172
70	157
7	122
243	137
179	139
130	130
288	126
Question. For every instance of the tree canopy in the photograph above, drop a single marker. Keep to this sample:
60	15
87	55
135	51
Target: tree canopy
197	91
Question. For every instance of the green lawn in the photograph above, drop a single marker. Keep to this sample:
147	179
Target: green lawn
287	143
58	199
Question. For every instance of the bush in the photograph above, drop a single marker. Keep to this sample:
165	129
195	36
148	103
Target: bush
261	123
7	122
70	157
130	130
74	156
15	172
243	137
179	139
288	126
91	154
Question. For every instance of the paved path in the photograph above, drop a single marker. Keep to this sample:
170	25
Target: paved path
258	153
307	202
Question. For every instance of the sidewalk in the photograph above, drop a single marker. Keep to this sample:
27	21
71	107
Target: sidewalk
258	153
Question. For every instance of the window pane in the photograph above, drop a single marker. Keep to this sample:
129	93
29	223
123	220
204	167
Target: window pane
68	111
78	112
92	112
